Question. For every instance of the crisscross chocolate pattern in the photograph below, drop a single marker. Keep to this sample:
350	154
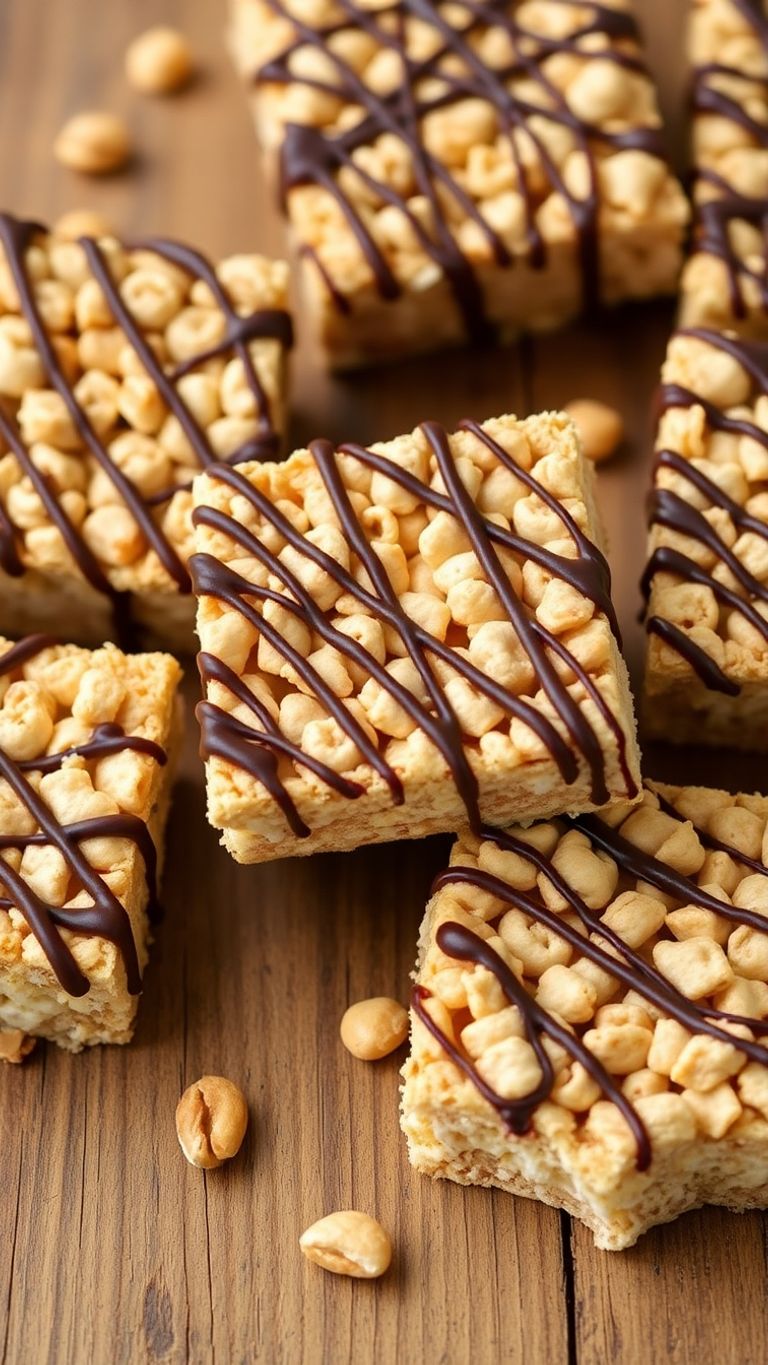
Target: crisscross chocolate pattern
669	509
15	238
314	156
106	917
625	964
258	748
714	217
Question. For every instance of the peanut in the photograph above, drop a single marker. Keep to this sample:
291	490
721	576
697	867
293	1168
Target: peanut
348	1243
15	1045
94	142
600	427
373	1028
211	1119
158	61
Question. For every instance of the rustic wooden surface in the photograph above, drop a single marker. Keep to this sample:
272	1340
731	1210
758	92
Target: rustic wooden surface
112	1248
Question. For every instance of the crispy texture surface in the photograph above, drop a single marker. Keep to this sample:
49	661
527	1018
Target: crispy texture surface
707	659
52	703
702	1101
724	281
266	666
98	449
536	180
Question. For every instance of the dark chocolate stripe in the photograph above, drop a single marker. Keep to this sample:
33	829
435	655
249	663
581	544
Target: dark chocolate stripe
313	156
16	236
668	509
714	216
255	750
106	918
624	963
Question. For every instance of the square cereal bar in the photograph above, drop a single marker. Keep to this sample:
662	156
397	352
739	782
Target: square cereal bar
87	743
124	370
589	1015
725	282
706	581
399	639
458	172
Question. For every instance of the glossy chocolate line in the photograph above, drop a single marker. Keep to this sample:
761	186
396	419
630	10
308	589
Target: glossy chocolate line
23	651
265	324
629	967
106	917
108	738
709	840
16	237
311	156
703	665
208	580
163	382
668	509
205	576
458	941
713	216
437	720
581	732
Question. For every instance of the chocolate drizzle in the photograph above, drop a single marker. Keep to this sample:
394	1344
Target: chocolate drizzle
668	509
16	237
724	206
106	917
258	750
453	72
625	964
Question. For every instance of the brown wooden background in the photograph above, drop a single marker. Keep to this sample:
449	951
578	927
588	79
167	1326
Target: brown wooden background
112	1249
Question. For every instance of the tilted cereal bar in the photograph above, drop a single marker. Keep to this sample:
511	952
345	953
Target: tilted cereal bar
124	370
397	639
725	282
589	1015
456	172
87	743
707	577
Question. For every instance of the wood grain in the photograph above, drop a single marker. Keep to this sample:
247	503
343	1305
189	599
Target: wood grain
113	1250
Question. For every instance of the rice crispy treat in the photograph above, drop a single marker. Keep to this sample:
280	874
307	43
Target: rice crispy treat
399	639
124	370
87	746
725	282
706	581
589	1015
457	172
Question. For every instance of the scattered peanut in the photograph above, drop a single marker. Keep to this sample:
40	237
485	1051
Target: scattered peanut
600	427
94	142
211	1119
158	61
82	223
348	1243
373	1028
15	1045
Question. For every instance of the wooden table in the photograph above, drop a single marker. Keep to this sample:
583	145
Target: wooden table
113	1249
